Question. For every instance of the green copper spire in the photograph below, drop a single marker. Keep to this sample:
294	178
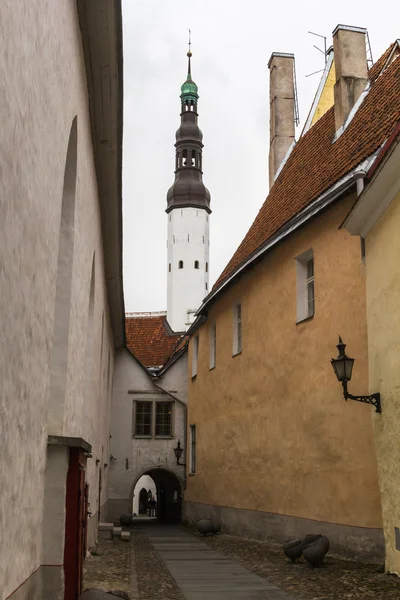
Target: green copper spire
189	89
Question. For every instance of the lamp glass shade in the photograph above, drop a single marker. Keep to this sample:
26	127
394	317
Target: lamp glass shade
178	450
343	367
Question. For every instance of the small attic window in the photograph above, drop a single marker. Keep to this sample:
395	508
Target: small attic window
180	264
196	264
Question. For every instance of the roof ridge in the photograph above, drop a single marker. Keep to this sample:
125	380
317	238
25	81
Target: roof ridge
316	163
134	315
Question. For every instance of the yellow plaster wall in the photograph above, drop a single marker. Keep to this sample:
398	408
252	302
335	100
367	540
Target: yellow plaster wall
383	302
274	433
326	100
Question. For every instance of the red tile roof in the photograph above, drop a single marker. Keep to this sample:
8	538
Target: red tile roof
316	163
150	339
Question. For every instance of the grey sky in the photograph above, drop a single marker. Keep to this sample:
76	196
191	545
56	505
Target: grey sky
232	41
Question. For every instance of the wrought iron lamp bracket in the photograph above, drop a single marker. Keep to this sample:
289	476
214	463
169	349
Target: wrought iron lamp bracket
373	399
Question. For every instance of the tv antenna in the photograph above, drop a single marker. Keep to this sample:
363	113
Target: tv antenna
319	50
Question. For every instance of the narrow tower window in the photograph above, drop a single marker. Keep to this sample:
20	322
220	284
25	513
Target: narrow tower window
169	267
196	264
193	158
180	264
203	239
206	267
184	153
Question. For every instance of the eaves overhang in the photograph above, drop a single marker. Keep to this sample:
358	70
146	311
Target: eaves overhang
100	22
318	205
383	185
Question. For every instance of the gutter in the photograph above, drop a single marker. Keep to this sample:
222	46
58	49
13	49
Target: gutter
295	223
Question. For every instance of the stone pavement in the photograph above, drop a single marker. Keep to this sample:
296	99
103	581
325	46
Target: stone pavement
203	573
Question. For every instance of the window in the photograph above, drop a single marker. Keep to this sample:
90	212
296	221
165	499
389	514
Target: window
193	158
305	286
163	419
206	286
310	287
213	346
180	264
169	267
195	355
192	449
237	328
184	157
196	264
203	239
143	418
206	267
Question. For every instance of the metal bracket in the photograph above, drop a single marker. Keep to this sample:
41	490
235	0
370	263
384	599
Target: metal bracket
373	399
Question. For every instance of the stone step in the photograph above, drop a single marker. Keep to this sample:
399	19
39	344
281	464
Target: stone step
106	526
116	532
125	536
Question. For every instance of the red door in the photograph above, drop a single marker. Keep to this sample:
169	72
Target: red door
75	524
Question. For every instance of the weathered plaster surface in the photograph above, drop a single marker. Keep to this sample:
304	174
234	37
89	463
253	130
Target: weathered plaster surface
383	293
351	542
43	90
274	433
135	456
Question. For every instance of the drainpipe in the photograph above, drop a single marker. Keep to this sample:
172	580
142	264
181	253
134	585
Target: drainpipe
185	419
360	176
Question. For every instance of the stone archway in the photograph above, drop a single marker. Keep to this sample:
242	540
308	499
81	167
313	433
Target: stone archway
169	494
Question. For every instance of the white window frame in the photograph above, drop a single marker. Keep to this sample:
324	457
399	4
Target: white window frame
213	346
303	283
195	355
237	328
192	449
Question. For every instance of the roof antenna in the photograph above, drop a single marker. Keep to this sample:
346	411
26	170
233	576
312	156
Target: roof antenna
189	55
319	50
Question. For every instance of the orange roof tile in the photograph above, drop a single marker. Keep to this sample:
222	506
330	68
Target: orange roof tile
317	162
150	339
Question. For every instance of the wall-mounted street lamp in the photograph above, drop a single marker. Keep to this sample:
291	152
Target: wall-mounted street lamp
343	367
178	453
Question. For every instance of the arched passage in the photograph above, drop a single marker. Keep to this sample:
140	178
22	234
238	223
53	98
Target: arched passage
169	494
59	355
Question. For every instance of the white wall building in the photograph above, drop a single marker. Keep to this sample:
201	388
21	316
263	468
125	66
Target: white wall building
149	416
62	310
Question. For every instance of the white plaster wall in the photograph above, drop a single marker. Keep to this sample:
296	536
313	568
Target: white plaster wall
43	88
142	454
188	240
147	483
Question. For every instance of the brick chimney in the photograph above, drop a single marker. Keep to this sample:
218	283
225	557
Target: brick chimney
351	69
281	119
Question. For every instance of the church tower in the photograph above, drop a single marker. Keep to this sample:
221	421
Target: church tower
188	210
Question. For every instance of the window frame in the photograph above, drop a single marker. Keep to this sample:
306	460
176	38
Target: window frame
195	356
213	345
135	420
192	449
237	338
171	434
305	282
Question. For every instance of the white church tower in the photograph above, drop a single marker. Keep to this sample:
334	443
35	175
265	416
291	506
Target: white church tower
188	210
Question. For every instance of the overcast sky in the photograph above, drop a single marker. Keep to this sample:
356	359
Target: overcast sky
232	41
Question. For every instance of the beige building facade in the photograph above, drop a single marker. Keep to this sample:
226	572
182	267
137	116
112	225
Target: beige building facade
376	217
61	303
278	452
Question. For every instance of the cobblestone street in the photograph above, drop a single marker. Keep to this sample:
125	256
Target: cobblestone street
175	563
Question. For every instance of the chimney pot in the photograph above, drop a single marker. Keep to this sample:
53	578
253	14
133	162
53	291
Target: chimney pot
350	67
281	120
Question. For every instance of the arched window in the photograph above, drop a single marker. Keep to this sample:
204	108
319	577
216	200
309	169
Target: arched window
206	267
180	264
184	157
193	158
196	264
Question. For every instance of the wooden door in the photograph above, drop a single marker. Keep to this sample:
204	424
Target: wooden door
75	525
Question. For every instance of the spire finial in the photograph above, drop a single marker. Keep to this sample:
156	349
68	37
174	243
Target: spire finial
189	54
